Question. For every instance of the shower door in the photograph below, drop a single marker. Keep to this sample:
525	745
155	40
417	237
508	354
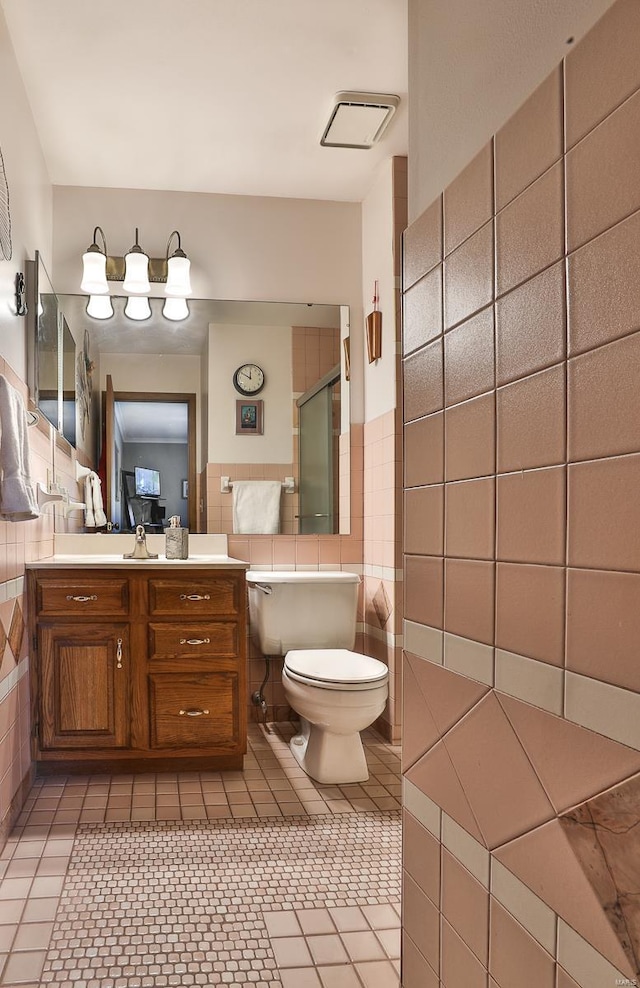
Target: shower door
316	462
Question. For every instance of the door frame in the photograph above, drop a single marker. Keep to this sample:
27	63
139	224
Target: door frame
110	397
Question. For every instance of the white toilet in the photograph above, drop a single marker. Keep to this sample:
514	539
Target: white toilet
310	618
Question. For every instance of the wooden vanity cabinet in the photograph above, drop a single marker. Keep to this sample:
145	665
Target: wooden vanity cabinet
138	669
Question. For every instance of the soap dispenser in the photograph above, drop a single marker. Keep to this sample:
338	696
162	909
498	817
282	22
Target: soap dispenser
176	540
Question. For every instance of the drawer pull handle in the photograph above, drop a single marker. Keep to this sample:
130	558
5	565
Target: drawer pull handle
195	641
195	596
82	598
193	713
119	654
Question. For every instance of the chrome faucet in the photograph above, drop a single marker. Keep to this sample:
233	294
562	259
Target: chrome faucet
140	550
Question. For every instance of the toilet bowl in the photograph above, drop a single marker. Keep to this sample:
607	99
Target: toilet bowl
310	618
337	693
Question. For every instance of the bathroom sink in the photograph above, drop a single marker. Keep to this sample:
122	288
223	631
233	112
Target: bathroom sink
205	551
103	560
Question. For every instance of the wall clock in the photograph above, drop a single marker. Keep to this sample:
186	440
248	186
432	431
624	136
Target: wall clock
249	379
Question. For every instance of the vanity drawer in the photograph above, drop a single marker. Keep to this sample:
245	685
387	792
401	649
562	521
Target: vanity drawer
180	641
194	596
194	711
80	595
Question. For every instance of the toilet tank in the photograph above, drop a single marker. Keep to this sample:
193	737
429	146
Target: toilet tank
302	609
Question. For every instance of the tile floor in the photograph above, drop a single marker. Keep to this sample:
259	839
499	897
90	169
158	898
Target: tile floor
261	877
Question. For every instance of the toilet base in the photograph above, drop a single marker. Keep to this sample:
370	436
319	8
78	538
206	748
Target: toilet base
333	759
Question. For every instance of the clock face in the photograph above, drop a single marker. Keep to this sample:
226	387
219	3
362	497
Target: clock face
249	379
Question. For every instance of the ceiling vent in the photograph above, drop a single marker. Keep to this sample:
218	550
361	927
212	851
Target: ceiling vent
358	120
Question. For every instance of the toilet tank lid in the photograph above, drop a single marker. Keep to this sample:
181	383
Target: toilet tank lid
301	576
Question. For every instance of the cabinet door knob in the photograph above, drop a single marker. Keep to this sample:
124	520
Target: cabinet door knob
195	596
119	653
82	598
195	641
193	713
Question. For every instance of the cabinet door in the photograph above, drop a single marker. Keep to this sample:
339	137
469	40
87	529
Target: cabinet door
84	674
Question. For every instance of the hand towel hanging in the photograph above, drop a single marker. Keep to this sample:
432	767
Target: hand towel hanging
17	500
256	507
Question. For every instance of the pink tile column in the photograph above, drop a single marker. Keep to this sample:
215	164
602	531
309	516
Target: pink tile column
521	536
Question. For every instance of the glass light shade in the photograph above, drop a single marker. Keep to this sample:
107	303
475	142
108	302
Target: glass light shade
175	309
136	273
137	307
100	307
178	279
94	273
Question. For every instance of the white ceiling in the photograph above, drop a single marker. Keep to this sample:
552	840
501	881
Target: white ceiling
224	96
188	337
152	421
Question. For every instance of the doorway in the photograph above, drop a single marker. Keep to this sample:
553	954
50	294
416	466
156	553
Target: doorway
155	432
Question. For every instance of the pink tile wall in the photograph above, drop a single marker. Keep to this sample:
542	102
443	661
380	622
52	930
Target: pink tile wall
383	507
20	542
521	534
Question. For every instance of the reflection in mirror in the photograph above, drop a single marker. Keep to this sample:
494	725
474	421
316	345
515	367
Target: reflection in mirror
298	346
67	348
52	354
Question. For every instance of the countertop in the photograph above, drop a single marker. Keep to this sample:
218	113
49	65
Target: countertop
89	561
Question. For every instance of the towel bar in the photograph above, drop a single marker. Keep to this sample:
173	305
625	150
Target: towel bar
288	485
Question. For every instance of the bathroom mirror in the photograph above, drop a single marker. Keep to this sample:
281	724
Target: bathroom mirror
51	353
299	348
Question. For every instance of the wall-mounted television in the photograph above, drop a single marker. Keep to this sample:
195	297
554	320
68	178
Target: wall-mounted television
147	482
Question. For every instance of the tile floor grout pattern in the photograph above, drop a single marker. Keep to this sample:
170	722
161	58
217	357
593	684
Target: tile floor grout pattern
331	936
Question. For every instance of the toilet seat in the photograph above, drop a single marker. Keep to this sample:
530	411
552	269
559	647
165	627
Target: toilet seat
335	669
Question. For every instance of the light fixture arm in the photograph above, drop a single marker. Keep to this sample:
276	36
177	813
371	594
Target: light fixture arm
94	246
136	249
178	252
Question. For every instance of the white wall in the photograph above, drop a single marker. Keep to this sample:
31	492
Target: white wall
377	265
471	65
151	372
30	199
270	347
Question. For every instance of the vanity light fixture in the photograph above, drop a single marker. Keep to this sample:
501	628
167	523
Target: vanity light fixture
137	307
100	307
137	271
175	309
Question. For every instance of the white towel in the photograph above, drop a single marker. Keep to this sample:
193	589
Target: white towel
94	516
17	500
256	507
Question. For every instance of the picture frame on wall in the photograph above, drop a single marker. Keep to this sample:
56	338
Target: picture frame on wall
249	418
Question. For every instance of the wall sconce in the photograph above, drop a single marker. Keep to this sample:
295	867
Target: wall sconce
136	270
20	295
374	329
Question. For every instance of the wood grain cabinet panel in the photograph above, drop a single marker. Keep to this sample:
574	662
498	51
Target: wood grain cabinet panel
198	711
193	641
82	596
194	597
157	682
85	686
